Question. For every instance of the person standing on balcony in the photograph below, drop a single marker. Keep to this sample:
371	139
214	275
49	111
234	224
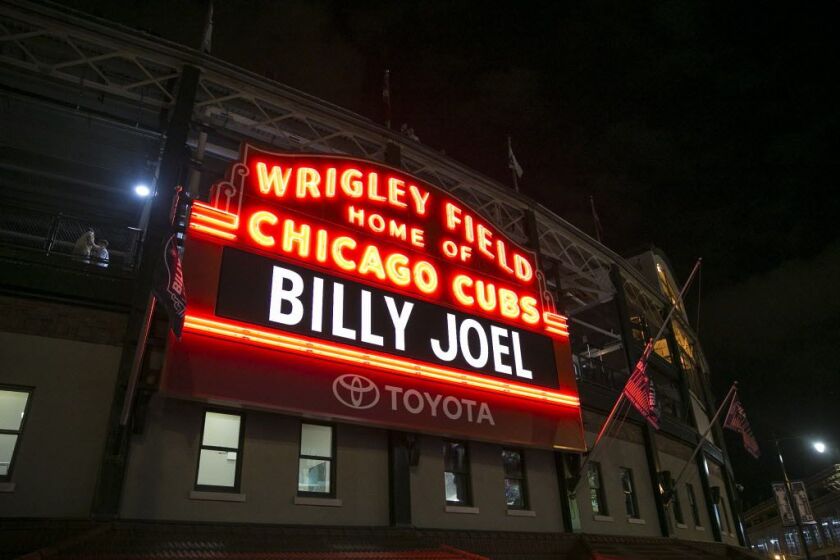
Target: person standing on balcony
100	254
84	245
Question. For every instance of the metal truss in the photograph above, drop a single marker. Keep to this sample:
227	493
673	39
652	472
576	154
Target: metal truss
132	66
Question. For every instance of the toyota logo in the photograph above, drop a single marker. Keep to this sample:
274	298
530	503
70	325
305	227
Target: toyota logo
355	391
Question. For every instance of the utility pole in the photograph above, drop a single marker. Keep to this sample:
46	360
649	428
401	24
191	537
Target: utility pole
789	492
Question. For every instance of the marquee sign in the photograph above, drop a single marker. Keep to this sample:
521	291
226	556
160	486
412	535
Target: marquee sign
318	282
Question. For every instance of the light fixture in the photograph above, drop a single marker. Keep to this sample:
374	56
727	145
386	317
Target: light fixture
142	190
819	447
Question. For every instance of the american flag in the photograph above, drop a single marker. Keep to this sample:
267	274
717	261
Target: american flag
736	420
639	389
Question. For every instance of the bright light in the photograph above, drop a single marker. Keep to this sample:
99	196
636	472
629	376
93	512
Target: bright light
142	190
819	446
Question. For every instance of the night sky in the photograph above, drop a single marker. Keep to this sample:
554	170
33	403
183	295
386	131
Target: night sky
702	128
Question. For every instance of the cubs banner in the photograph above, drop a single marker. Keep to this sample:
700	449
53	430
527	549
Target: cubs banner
168	285
351	290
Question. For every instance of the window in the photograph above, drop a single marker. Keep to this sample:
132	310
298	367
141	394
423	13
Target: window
724	517
219	460
678	511
13	408
692	503
631	504
516	490
456	476
596	489
316	465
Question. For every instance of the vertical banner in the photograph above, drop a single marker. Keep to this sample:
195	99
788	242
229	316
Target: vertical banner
785	509
800	498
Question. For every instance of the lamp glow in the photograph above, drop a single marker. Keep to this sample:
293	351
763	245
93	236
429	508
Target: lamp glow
819	447
142	190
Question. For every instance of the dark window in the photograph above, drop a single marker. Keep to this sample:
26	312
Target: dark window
316	465
692	503
220	458
631	503
516	489
456	476
14	403
596	489
678	511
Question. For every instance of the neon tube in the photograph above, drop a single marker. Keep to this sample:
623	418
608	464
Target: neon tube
409	368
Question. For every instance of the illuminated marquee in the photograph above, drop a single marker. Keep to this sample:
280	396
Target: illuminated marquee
356	263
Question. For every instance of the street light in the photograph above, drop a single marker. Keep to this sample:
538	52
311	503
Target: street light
142	190
820	447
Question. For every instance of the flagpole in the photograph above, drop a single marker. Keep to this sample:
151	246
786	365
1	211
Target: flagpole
595	218
512	167
729	395
621	397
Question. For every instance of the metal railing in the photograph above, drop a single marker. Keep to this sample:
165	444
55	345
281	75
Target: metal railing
54	234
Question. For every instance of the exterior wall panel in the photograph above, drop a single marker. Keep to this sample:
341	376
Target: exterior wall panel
60	449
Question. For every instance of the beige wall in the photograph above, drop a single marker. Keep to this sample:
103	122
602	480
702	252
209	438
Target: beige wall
716	479
673	457
162	468
625	451
60	450
428	501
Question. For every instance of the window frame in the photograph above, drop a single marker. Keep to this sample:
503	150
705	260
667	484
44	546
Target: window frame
19	432
332	460
237	480
523	479
634	501
603	506
467	474
692	503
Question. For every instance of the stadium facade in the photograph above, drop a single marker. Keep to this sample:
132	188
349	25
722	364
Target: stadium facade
261	413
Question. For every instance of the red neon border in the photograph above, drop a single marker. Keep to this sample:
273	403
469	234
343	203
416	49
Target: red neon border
341	353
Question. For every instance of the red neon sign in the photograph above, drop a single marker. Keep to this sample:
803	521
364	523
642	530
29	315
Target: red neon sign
379	225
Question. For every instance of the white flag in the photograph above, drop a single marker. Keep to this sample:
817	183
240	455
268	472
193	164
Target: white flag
512	163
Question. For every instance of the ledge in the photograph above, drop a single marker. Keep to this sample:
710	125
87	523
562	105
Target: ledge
217	496
602	518
636	521
461	509
681	526
313	501
521	513
7	486
699	528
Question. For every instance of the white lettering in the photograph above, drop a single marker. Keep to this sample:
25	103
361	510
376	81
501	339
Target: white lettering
394	392
484	414
317	304
475	361
446	409
449	354
517	358
433	402
367	335
499	349
279	294
338	328
418	406
400	320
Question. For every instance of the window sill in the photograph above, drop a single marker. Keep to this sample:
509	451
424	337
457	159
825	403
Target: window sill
681	526
217	496
312	501
461	509
602	518
7	486
521	513
636	521
699	528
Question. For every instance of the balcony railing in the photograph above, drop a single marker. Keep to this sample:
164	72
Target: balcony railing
45	233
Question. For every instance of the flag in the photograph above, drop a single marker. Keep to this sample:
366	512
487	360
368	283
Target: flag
513	164
386	97
168	284
736	420
208	30
639	389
